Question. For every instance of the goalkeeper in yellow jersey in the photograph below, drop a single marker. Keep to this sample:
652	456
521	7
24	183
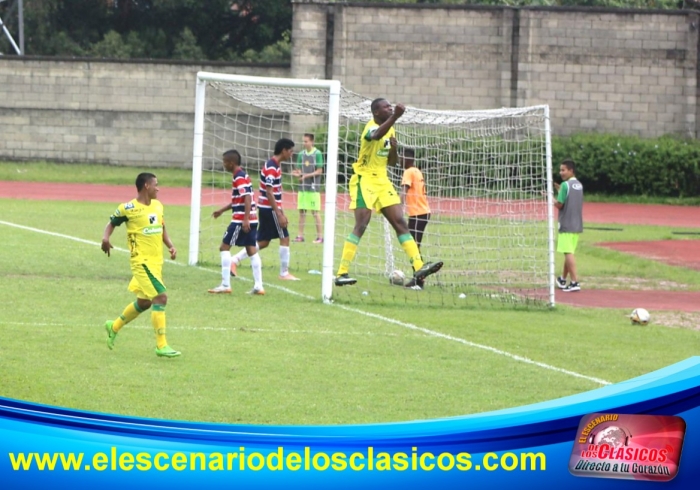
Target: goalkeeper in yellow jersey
145	235
370	188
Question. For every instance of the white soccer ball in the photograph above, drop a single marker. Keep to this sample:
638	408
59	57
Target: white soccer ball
397	278
640	316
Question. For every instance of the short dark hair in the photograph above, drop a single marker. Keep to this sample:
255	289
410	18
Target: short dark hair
283	144
375	104
409	152
570	164
142	179
310	136
232	155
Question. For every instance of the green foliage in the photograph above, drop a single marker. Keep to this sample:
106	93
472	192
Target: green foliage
111	46
278	52
180	29
233	30
623	165
186	47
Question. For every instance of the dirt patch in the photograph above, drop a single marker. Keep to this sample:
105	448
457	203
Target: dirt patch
635	284
681	253
686	301
676	319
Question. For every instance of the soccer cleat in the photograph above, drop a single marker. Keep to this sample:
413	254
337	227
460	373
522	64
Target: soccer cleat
288	277
415	284
318	240
257	292
299	239
427	269
167	351
234	269
573	286
561	282
220	289
344	280
111	335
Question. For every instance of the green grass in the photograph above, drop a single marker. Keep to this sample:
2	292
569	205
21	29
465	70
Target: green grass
286	358
89	174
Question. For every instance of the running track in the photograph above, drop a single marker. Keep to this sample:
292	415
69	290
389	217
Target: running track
598	213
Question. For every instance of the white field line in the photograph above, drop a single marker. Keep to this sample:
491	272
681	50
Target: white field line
392	321
210	329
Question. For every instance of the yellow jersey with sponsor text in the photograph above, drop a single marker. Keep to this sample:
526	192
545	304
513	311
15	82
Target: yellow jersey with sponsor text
374	154
144	230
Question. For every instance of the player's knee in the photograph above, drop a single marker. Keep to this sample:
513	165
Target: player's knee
161	299
224	247
144	304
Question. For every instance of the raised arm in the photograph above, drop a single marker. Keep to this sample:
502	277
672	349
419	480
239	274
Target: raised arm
379	133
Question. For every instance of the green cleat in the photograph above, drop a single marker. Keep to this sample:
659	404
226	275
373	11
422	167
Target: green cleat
111	335
167	351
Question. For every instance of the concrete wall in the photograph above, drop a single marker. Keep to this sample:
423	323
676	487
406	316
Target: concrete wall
95	111
628	71
633	72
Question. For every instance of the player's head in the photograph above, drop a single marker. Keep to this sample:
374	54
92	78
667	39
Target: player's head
408	156
232	160
147	182
567	169
308	141
283	149
381	110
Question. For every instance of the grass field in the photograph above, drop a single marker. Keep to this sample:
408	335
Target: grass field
286	358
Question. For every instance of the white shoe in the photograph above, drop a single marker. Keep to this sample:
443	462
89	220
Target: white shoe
257	292
288	277
221	289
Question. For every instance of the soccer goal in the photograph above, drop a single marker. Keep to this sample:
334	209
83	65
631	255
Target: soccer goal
487	174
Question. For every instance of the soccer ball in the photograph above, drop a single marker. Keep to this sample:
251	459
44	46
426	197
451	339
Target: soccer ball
397	278
640	316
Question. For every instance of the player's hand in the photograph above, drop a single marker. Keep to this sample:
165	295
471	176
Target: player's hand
246	225
296	172
217	213
393	142
282	219
557	186
399	109
173	253
106	247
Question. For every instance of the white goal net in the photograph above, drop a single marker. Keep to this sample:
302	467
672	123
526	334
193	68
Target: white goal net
487	175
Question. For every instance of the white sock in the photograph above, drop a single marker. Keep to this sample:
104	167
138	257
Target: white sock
256	265
238	258
226	268
284	260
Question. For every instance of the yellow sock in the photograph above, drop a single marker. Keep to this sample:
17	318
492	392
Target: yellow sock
349	251
158	321
129	313
410	246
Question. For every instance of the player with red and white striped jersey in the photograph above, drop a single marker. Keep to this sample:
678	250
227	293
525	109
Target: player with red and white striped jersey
242	231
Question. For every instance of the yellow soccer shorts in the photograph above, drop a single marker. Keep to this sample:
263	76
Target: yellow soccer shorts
372	193
567	242
147	281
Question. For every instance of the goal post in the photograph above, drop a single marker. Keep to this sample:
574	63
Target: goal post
332	87
488	175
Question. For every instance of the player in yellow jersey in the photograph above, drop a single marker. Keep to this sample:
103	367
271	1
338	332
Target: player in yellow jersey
145	235
370	188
